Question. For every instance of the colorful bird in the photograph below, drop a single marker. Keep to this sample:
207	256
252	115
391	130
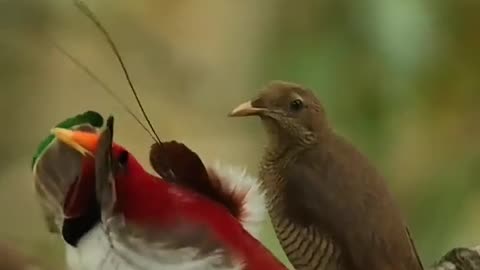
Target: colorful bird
118	216
329	206
56	167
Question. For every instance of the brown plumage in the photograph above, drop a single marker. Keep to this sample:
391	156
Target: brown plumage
330	208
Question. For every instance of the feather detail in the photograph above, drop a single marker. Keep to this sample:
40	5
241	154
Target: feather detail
229	186
245	190
96	251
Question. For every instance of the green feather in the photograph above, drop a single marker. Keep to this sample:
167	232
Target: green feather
88	117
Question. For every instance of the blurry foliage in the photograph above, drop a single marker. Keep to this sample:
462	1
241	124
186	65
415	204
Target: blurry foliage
398	78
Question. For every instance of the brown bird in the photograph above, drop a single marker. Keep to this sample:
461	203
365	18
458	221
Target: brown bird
330	208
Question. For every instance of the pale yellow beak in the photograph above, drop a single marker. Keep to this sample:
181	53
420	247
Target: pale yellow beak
245	109
84	142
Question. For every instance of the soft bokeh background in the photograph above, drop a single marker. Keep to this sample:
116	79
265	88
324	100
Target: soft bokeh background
401	79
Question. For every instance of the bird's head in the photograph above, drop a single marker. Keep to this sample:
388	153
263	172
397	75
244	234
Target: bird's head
111	163
288	111
57	168
88	144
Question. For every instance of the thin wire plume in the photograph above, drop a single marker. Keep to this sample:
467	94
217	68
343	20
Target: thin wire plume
102	84
85	10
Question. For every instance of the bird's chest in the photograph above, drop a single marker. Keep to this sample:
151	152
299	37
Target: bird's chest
97	251
93	251
271	180
307	247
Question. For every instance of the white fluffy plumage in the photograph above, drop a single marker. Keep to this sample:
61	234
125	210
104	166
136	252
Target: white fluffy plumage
238	182
97	251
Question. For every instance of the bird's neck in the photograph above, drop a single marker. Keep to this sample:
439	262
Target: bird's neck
282	150
288	139
275	160
280	153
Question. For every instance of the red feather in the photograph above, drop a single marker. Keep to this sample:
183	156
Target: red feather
82	191
190	172
147	200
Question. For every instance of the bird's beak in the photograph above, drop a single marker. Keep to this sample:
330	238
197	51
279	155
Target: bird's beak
246	109
84	142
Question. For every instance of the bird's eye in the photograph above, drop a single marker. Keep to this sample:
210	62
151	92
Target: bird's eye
123	158
296	105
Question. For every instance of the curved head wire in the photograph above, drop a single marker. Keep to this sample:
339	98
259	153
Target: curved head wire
103	85
85	10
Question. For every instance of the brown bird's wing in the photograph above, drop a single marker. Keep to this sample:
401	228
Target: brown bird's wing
351	206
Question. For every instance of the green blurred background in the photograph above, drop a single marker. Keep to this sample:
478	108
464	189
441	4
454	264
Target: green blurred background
401	79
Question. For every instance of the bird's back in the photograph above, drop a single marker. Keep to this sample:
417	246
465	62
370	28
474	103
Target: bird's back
382	239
